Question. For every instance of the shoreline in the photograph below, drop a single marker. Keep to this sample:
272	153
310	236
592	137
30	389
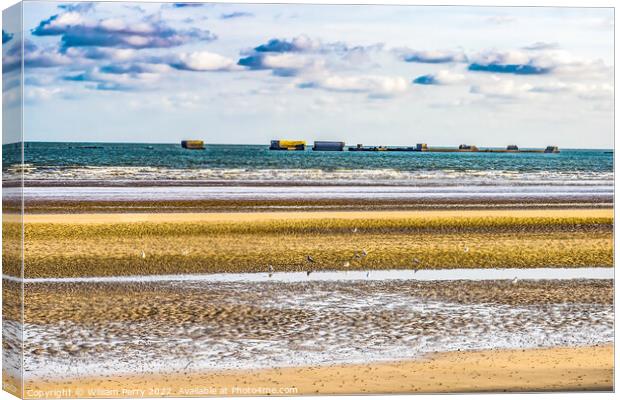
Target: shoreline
515	370
264	183
34	205
137	199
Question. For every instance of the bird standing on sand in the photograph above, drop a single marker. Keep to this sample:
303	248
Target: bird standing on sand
515	280
346	264
270	270
311	261
416	262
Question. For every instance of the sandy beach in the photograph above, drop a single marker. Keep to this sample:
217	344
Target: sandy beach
60	245
193	338
538	370
204	333
162	217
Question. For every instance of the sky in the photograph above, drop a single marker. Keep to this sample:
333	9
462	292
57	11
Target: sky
377	75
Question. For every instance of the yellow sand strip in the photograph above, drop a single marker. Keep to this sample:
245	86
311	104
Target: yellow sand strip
300	215
557	369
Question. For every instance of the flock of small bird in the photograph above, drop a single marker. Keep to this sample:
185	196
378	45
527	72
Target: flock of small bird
356	256
359	256
310	260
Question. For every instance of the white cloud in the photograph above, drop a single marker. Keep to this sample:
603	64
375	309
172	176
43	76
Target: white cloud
43	58
538	62
145	32
132	77
305	43
511	89
594	91
286	61
36	93
373	85
501	57
204	61
65	20
586	91
431	56
541	46
178	101
447	77
102	53
502	89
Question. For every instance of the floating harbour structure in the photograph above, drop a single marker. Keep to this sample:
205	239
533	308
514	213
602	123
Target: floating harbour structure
552	149
193	144
419	147
360	147
299	145
463	148
468	147
328	146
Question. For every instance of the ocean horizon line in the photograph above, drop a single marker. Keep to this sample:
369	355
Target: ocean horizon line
308	141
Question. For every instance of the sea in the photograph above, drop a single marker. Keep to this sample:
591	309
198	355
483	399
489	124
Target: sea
167	171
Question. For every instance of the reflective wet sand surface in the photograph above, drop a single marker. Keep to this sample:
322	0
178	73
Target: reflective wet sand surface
187	327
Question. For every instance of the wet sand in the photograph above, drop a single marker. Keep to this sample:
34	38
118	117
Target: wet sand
193	336
189	327
59	245
111	205
162	217
535	370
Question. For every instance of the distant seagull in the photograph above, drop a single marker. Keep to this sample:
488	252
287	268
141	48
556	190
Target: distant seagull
346	264
143	254
310	259
270	270
355	230
515	280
